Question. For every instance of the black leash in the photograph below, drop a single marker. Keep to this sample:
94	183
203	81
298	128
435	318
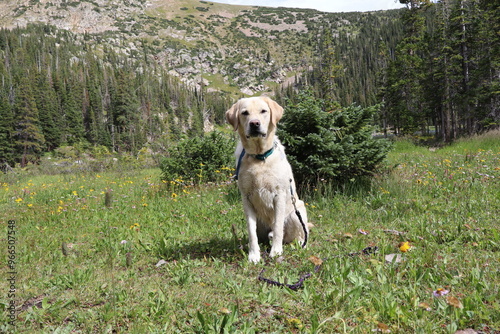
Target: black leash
294	287
297	212
300	283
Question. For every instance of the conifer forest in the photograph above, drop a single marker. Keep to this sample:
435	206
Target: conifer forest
433	67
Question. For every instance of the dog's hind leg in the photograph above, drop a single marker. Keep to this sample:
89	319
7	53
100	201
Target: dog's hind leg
264	232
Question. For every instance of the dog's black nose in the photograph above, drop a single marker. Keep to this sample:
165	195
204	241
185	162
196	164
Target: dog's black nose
254	124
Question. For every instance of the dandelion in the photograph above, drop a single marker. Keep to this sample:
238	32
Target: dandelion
19	200
75	193
440	292
404	246
30	205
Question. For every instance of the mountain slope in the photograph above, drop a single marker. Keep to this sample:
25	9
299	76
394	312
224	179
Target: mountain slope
235	49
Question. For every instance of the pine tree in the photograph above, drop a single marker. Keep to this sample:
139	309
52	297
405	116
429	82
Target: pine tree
48	110
125	110
72	112
29	139
329	146
484	79
6	132
404	91
328	68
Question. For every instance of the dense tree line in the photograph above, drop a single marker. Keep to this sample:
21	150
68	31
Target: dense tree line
56	90
435	66
446	69
349	60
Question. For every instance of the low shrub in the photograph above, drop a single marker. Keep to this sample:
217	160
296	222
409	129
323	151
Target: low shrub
330	146
200	159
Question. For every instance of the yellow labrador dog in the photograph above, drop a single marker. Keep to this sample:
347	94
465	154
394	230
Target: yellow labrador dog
265	179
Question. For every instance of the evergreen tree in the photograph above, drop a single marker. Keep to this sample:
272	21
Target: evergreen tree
72	112
6	132
328	69
485	85
125	110
329	146
48	110
29	139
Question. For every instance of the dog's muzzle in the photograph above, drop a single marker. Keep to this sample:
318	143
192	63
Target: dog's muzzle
254	129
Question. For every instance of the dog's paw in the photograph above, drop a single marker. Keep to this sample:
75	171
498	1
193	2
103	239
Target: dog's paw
254	257
276	251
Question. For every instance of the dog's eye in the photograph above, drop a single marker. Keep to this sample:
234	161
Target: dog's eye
246	113
263	111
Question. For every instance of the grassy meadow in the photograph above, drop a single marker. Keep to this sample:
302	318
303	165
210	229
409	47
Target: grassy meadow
124	252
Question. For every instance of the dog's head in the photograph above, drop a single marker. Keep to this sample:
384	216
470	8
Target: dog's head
254	117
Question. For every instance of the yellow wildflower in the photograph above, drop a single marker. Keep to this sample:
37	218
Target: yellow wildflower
295	323
404	246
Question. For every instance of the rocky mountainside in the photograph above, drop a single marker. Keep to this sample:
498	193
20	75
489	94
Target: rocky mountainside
217	47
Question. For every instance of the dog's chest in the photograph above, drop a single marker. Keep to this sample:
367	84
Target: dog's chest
261	182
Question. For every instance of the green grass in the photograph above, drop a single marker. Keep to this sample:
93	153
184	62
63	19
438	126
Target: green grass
87	265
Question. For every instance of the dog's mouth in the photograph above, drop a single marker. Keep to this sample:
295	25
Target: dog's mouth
256	134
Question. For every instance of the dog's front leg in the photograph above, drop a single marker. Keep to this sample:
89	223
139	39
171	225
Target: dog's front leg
278	225
253	241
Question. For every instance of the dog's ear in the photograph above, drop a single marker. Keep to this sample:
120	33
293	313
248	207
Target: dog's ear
232	116
276	110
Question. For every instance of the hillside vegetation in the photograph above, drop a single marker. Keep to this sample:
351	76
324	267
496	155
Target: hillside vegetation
126	76
203	43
